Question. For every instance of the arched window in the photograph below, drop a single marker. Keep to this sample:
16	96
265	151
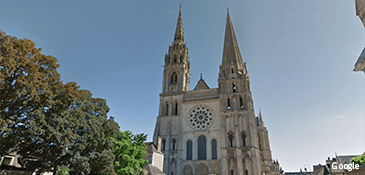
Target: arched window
176	105
173	78
181	59
232	70
173	144
163	144
230	138
243	140
189	150
175	58
214	149
241	102
172	173
234	87
167	109
246	172
232	172
202	148
228	104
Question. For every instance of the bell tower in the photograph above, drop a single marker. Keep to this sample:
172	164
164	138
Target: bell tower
176	76
241	152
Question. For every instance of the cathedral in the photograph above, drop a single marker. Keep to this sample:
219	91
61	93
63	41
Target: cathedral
210	130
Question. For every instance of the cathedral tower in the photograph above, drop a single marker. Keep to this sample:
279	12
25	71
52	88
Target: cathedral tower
241	144
176	76
210	130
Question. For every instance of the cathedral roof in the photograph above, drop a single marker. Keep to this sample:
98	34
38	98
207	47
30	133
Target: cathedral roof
201	84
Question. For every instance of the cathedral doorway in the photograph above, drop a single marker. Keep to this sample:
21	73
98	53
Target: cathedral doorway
201	169
188	170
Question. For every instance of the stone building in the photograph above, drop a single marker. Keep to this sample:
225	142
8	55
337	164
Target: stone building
210	130
155	158
15	164
332	166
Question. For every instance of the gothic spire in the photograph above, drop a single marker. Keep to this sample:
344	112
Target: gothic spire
231	52
179	33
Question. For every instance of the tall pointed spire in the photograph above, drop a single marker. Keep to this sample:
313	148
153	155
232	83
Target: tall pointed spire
177	66
179	33
231	53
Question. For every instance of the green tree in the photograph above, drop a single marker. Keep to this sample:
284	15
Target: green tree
58	124
129	150
359	159
25	76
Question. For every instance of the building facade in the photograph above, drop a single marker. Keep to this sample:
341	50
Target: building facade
210	130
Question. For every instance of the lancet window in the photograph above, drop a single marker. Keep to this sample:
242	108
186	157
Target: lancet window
173	78
189	150
202	148
214	149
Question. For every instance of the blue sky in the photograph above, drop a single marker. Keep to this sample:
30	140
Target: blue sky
300	56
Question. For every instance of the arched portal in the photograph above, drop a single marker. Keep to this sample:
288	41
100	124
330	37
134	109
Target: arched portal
201	169
188	170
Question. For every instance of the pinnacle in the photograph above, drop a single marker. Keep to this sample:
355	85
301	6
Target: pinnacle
179	33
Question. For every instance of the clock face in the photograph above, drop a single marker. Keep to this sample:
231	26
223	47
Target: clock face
201	117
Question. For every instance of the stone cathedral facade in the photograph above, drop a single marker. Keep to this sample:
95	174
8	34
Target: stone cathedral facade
210	130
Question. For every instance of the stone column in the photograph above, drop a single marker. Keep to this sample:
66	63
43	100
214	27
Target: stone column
223	144
225	166
240	170
256	162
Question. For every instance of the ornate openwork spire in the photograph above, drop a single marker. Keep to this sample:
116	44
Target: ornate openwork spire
179	33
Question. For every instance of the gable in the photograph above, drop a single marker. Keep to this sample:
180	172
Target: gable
201	85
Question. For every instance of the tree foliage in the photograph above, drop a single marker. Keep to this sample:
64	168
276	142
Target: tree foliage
42	118
129	150
359	159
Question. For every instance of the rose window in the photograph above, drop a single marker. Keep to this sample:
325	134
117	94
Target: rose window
201	117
